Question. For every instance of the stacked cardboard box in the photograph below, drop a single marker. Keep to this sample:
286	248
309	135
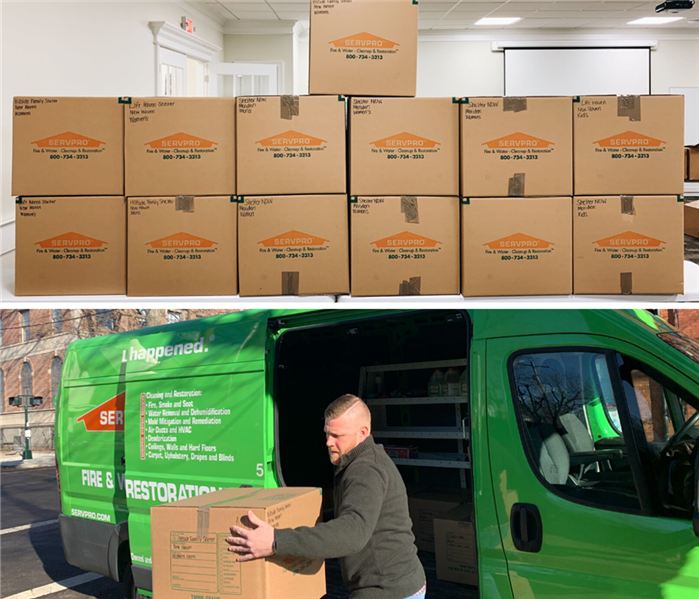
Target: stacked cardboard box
180	187
293	237
455	545
692	163
628	205
516	188
68	174
425	506
404	174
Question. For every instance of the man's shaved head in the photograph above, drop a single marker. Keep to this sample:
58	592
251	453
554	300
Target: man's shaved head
350	406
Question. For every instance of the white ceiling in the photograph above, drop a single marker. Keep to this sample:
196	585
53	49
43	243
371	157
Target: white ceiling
461	15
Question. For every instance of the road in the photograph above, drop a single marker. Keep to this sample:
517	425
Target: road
32	558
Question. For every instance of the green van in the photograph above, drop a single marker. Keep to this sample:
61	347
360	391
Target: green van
576	433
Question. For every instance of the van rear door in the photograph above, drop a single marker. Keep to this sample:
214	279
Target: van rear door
598	517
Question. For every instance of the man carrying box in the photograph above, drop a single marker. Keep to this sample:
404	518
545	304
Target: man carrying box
371	533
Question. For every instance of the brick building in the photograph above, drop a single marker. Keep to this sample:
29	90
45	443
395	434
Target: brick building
32	349
686	321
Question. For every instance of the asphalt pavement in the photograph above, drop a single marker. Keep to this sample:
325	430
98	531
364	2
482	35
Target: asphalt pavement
32	563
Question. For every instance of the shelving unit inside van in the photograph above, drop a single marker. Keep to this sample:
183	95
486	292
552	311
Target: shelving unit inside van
378	383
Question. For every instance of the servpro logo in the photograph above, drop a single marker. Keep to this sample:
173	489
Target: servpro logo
629	240
182	240
293	239
108	416
405	140
406	239
363	40
518	241
181	140
629	139
518	140
291	138
71	240
68	140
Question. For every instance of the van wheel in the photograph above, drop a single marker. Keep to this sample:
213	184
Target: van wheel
130	587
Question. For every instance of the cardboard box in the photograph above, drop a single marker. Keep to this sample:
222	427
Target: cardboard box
191	557
516	246
360	48
691	219
693	163
628	145
67	147
425	506
180	146
404	146
293	245
455	546
402	452
686	164
628	244
405	246
291	145
516	147
70	246
182	246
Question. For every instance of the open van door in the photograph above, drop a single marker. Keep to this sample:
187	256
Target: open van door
581	511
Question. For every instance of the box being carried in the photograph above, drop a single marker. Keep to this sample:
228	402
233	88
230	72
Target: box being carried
291	145
628	244
180	146
67	147
405	246
363	48
628	145
293	245
516	246
516	147
191	557
404	146
183	245
70	246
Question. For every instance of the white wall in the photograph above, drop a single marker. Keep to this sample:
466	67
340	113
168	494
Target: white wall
81	49
263	48
674	64
459	68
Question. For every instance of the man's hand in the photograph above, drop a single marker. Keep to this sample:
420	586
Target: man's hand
252	544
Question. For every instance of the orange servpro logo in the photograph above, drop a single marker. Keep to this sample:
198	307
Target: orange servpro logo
181	140
629	240
405	140
363	40
291	138
108	416
293	239
629	139
406	239
68	140
518	241
71	240
518	140
182	240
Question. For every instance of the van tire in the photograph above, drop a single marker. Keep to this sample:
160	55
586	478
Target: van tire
129	586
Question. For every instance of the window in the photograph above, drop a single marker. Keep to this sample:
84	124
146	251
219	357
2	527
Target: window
574	437
57	317
142	318
103	318
666	427
173	316
26	379
2	391
24	318
56	365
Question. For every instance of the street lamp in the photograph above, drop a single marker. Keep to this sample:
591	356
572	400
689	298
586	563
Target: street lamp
26	401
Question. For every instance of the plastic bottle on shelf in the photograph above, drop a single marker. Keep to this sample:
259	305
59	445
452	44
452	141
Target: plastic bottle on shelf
435	383
452	383
463	383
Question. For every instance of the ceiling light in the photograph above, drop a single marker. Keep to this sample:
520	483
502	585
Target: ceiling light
654	20
498	21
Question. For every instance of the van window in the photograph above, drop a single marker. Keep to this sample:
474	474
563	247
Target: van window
666	426
570	428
